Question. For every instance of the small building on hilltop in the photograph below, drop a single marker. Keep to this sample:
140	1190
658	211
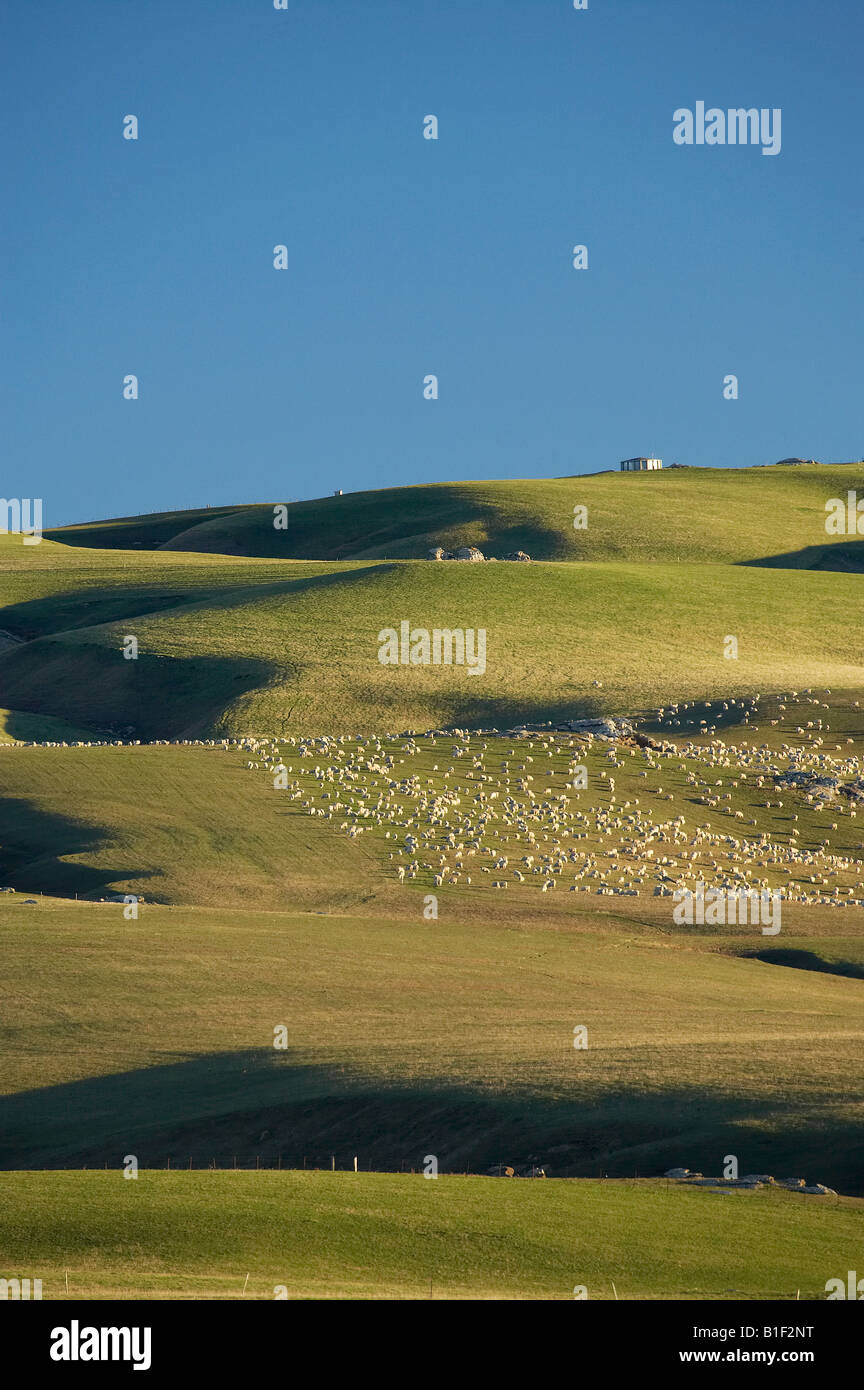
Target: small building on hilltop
638	465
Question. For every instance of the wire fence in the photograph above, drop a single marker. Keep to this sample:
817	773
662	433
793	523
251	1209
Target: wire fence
282	1162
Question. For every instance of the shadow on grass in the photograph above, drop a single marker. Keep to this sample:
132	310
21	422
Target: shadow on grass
265	1107
91	685
78	608
379	525
74	609
843	557
139	533
35	844
153	697
808	960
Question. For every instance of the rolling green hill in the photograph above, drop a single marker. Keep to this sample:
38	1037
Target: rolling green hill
407	1036
301	653
175	825
259	1235
281	635
717	515
197	826
304	907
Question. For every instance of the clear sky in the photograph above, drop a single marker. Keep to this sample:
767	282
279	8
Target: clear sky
408	256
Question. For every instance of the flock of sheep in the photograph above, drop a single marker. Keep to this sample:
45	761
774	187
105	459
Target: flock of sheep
549	808
544	808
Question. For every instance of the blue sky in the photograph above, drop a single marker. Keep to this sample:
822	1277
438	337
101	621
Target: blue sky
408	256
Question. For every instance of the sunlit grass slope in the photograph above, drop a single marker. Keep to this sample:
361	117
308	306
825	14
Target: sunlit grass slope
718	515
53	588
301	653
408	1037
177	825
197	826
373	1235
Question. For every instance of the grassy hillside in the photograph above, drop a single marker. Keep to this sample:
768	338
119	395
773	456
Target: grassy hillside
258	641
340	1235
411	1036
16	727
177	825
53	588
196	826
138	532
302	652
303	908
717	515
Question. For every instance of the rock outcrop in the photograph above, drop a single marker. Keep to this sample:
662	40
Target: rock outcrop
469	553
472	554
750	1180
599	728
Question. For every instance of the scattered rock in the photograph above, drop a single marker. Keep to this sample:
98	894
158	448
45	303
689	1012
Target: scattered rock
470	553
795	778
600	728
749	1181
517	555
464	552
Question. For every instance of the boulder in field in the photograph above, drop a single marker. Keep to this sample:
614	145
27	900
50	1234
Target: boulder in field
470	553
600	728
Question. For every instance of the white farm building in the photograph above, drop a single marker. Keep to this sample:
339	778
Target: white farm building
637	465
